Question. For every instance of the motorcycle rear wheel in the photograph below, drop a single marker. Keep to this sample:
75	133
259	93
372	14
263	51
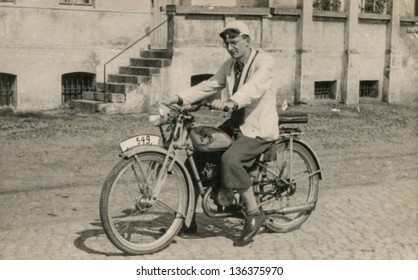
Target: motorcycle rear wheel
132	220
288	192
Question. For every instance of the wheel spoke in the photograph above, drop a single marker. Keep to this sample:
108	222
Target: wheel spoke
288	199
134	222
169	208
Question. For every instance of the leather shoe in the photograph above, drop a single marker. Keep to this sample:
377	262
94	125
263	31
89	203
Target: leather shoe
235	211
251	227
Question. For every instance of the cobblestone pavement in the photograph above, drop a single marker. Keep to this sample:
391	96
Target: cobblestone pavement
376	221
53	166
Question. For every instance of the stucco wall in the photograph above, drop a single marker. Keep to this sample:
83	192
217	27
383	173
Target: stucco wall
42	40
409	65
327	51
371	47
408	50
324	51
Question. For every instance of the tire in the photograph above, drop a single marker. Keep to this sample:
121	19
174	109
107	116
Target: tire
132	221
275	197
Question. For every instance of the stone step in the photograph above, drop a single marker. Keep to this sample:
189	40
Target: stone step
108	107
150	62
128	79
104	97
92	105
166	54
116	87
138	71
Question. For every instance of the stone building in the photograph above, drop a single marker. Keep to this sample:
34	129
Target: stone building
51	50
54	52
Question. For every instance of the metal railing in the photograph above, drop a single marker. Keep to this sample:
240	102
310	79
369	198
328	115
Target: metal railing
127	48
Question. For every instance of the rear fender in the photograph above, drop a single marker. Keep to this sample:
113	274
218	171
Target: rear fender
318	165
157	150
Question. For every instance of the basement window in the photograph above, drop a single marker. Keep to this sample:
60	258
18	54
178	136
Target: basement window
369	89
77	2
73	85
325	89
7	89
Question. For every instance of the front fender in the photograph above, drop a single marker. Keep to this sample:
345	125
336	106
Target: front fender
157	150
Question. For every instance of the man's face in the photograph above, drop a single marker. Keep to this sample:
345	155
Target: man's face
237	47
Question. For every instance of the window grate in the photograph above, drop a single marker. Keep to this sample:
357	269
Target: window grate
325	89
7	89
416	8
374	6
77	2
327	5
73	85
369	89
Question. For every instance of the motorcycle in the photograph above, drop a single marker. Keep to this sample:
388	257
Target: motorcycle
150	194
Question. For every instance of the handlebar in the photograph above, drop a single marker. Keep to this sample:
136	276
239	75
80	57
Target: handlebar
195	107
225	109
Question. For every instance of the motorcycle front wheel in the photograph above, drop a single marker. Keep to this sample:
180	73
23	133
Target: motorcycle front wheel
134	220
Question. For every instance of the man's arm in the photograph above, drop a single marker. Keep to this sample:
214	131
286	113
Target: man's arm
206	88
259	82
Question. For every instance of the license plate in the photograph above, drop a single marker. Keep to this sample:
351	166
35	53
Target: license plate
140	140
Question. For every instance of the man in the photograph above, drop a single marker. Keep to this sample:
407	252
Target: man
248	77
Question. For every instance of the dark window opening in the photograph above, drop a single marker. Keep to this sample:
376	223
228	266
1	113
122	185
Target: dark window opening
369	89
196	79
327	5
325	89
77	2
7	89
374	6
73	85
416	8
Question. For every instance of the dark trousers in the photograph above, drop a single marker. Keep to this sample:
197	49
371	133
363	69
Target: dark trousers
237	160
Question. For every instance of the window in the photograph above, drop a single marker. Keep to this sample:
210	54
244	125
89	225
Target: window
325	89
77	2
7	88
73	85
374	6
327	5
369	89
416	8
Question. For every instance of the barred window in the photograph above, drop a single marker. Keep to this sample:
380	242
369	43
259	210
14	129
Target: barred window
327	5
325	89
374	6
77	2
369	89
416	8
7	88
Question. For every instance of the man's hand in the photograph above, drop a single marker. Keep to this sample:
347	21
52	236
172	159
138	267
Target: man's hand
176	100
218	104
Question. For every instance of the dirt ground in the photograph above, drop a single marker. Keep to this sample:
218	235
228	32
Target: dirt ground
70	153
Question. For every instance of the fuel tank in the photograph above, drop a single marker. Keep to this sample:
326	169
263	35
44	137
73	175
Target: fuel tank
209	139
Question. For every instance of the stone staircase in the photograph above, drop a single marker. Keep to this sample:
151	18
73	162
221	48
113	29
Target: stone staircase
125	90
